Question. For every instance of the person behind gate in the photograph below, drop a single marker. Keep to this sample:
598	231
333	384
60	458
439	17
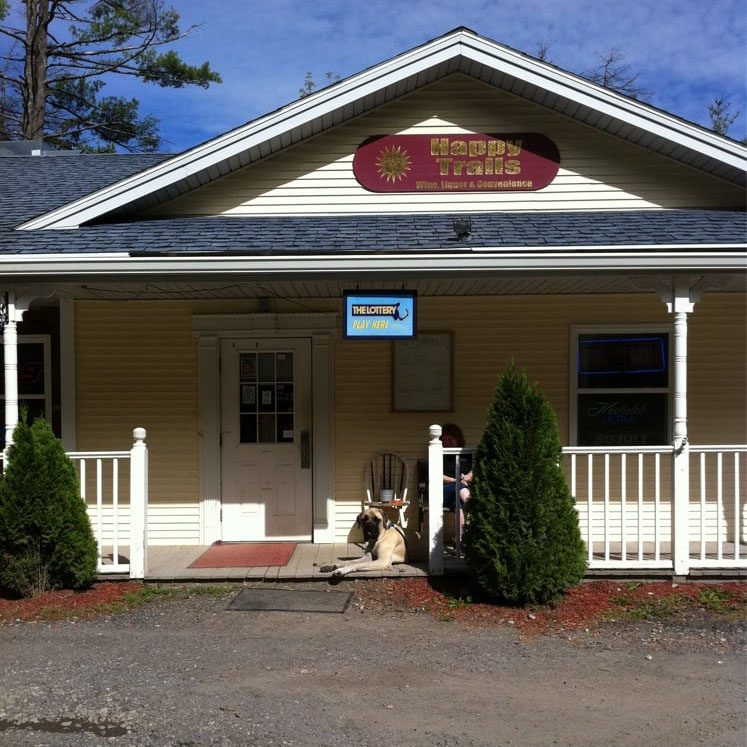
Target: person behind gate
451	437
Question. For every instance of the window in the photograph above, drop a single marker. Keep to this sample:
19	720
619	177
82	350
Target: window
266	398
620	386
34	379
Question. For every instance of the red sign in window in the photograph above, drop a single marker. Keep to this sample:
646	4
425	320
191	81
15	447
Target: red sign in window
456	163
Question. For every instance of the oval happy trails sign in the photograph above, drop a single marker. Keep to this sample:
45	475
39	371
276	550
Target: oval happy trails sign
456	163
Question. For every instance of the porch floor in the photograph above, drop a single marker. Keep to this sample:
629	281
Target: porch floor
171	563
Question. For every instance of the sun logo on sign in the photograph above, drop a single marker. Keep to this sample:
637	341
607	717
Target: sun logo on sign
393	163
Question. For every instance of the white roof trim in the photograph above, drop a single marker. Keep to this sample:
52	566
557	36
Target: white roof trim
722	258
458	47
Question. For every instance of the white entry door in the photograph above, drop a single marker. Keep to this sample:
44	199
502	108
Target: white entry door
266	439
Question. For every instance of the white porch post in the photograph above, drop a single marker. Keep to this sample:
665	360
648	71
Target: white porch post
13	305
138	505
435	502
10	352
680	302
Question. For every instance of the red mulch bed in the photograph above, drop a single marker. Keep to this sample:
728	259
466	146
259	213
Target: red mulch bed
58	605
582	607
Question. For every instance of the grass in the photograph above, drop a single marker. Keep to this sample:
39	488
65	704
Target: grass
133	600
712	599
717	600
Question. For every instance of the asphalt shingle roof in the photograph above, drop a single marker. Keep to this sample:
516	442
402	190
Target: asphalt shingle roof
30	186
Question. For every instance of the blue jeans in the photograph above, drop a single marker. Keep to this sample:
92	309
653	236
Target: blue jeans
451	490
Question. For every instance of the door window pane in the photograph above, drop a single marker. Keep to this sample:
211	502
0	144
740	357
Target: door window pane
266	397
267	429
248	398
248	367
266	405
285	366
285	429
267	366
248	428
285	397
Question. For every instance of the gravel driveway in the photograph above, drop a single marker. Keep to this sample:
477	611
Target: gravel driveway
191	673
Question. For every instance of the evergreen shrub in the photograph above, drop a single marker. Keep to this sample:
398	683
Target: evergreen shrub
46	541
521	541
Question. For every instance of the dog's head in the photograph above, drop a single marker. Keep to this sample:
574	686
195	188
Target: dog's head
373	522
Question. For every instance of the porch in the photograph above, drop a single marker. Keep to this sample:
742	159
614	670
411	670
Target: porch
630	514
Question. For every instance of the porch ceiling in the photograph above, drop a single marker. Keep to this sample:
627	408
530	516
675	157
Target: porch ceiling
334	288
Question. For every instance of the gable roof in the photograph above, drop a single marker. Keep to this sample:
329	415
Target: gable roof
460	50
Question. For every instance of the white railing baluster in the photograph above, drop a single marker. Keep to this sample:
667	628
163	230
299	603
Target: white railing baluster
640	506
737	513
623	512
702	505
606	506
719	505
99	511
106	504
714	537
115	510
590	491
657	505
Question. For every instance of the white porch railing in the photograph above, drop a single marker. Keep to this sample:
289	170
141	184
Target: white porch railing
118	525
625	498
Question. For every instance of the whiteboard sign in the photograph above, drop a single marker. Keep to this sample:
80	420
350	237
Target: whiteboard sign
422	373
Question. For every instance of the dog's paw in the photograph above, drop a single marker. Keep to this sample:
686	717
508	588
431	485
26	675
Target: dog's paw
327	568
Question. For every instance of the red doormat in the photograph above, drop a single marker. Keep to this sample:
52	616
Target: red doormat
245	555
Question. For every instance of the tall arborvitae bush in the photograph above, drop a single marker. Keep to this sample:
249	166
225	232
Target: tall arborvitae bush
521	540
46	541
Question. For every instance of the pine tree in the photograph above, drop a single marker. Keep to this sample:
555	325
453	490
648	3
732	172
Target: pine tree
522	541
46	541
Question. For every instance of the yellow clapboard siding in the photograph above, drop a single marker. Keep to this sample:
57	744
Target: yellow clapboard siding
137	366
535	332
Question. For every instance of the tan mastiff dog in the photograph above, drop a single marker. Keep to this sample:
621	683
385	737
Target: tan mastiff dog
385	545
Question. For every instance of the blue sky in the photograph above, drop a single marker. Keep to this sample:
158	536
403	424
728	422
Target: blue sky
687	51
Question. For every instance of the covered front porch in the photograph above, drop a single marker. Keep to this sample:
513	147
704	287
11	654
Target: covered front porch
676	509
632	520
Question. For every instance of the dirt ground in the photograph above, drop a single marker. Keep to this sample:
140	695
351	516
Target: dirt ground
188	672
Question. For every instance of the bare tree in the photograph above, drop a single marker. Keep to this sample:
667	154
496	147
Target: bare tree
614	72
722	117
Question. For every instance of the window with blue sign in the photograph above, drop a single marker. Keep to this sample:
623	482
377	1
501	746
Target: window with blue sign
622	387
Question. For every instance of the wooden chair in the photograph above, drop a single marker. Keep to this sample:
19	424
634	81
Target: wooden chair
385	480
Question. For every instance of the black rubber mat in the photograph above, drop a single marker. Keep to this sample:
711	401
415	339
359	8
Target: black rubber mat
289	600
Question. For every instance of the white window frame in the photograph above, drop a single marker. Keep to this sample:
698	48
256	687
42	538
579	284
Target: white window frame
46	341
614	329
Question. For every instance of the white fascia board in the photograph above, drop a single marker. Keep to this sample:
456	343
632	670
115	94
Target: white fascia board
409	64
608	102
558	259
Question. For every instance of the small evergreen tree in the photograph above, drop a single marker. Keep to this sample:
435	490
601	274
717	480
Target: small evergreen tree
521	541
46	541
